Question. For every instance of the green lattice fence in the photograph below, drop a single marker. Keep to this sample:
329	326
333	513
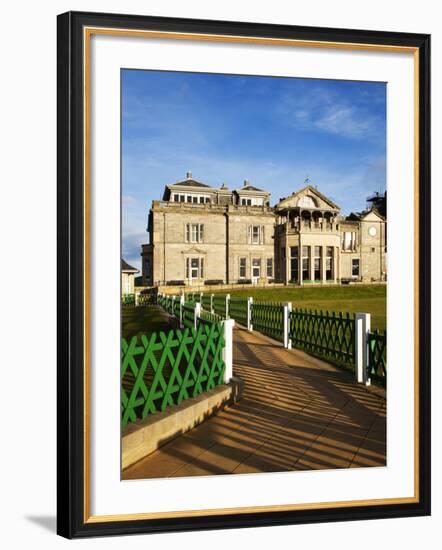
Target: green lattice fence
238	309
206	302
188	315
128	300
377	356
163	369
219	304
268	318
327	335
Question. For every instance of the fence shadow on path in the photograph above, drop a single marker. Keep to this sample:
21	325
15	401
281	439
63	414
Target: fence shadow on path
296	414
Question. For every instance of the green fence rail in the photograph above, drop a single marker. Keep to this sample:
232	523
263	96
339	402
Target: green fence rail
128	299
268	318
238	309
163	369
206	302
188	311
327	335
207	317
195	297
176	306
219	304
377	356
161	300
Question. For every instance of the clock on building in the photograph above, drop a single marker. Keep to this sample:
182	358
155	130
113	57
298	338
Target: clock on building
372	231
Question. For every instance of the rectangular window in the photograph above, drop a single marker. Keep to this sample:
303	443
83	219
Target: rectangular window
329	263
269	267
355	267
182	198
195	200
242	268
176	198
189	198
294	269
256	234
207	200
201	200
305	263
294	263
317	262
349	241
194	232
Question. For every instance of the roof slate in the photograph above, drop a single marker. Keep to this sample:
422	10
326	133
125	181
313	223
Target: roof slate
126	267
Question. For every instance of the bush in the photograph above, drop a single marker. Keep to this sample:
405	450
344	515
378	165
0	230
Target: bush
214	282
244	281
175	283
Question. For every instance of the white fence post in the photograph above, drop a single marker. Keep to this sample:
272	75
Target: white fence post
286	317
197	313
137	295
228	325
362	328
211	303
227	305
249	313
287	307
181	310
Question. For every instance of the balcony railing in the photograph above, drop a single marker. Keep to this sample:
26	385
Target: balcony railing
307	226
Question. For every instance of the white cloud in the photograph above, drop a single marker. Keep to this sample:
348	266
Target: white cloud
326	111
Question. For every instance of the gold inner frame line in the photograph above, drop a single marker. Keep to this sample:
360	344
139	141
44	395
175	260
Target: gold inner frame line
87	33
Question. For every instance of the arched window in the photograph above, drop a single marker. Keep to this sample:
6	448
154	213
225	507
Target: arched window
307	202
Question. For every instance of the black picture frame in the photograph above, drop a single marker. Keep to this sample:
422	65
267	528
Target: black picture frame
71	508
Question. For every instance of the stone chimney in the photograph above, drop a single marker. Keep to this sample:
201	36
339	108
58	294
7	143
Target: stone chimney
246	183
189	175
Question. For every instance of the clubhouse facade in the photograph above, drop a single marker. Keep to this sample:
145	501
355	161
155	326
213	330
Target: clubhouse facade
200	234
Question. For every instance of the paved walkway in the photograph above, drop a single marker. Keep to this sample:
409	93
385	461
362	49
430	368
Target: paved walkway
297	413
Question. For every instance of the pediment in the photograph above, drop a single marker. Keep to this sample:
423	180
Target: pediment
193	250
372	216
308	197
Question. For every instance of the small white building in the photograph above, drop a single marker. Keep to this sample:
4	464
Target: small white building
127	278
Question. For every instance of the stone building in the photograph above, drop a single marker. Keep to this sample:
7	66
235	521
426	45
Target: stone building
201	235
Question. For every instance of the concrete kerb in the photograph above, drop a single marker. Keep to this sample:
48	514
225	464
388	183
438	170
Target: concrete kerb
143	437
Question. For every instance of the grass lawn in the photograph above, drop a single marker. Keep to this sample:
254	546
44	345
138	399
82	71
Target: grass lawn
347	298
143	320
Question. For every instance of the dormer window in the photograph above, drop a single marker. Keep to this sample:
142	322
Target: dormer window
253	201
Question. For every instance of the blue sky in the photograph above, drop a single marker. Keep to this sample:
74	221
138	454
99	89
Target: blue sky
226	128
